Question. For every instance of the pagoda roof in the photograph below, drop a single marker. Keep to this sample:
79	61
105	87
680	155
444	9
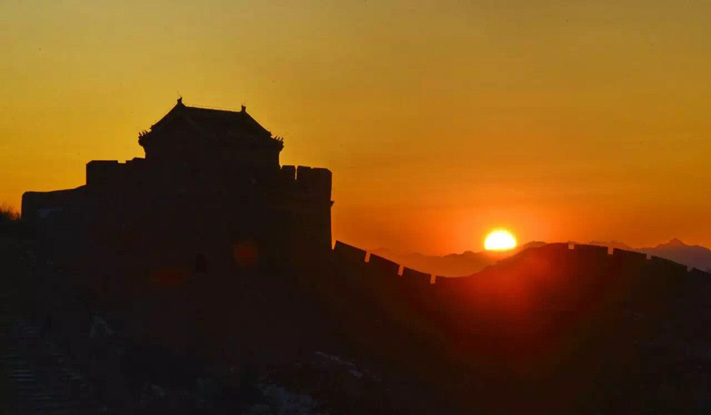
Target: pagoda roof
215	123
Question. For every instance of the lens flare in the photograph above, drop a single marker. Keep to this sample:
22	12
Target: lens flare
499	241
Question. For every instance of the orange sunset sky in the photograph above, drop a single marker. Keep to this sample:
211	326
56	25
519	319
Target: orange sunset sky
441	120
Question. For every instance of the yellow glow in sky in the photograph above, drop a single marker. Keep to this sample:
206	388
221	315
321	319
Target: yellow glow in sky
571	120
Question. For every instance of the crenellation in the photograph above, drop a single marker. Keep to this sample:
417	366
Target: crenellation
558	246
39	205
303	182
103	173
349	253
594	256
412	276
631	257
303	173
697	276
314	182
288	174
383	265
664	263
594	250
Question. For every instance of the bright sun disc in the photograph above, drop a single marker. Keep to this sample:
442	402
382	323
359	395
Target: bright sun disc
499	241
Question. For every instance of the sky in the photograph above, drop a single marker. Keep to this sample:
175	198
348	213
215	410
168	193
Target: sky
440	120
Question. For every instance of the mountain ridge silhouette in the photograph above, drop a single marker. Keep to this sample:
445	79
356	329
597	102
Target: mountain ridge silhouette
454	264
675	249
470	262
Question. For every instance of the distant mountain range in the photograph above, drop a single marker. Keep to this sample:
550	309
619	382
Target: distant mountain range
695	256
452	265
468	262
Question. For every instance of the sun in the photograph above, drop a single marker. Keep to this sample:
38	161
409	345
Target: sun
499	241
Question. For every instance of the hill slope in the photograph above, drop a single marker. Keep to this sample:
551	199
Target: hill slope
565	331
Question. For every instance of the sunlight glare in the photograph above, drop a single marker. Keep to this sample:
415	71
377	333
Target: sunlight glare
499	240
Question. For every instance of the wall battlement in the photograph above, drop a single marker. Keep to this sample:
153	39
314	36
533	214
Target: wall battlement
38	205
630	257
559	246
593	251
417	277
109	173
103	172
549	286
383	265
349	253
599	256
666	263
378	266
312	181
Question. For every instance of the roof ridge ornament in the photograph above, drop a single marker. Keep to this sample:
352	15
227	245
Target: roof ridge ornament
180	100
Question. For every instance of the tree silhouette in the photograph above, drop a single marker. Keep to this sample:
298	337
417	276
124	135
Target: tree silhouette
8	214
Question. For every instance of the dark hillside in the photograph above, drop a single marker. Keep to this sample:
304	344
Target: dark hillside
561	330
577	330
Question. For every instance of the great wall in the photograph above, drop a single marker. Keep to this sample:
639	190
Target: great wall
379	265
207	261
393	317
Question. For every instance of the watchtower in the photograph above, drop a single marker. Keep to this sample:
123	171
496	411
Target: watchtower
210	197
